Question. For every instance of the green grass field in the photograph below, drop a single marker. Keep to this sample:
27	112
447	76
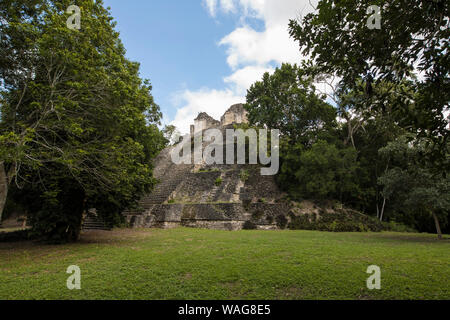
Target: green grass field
208	264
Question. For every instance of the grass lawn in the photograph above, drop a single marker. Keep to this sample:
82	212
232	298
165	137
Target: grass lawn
208	264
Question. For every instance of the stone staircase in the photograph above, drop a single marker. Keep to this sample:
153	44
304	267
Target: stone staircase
211	195
202	202
171	176
170	181
92	222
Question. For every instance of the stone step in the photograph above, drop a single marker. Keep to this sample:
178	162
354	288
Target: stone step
93	223
170	178
96	228
130	213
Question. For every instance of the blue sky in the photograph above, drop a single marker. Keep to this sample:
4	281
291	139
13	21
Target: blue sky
201	55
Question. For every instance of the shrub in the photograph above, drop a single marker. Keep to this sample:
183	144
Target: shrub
257	215
244	175
281	221
397	227
340	221
303	222
21	235
248	225
58	220
218	181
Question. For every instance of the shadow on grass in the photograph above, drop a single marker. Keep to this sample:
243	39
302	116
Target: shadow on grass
416	238
114	236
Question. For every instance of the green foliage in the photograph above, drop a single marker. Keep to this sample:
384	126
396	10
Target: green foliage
257	215
281	221
339	221
413	39
313	162
397	227
74	111
378	130
15	236
321	172
218	181
379	97
171	134
412	188
287	100
248	225
244	175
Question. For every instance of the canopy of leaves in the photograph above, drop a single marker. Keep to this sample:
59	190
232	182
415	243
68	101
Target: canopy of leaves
412	45
287	100
412	188
324	172
73	109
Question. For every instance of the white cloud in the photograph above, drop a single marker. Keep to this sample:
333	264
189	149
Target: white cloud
211	6
228	6
214	102
243	78
250	53
247	46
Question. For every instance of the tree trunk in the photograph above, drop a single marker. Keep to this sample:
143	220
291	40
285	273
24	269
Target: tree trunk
438	227
382	209
5	181
3	189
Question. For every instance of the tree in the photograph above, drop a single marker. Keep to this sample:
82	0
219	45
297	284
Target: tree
78	127
171	134
16	61
412	45
412	187
326	172
314	163
287	100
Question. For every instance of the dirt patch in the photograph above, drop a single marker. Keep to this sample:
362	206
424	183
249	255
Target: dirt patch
411	238
187	276
230	285
117	235
291	293
88	260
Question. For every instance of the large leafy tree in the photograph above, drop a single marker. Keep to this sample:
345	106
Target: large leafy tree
412	45
369	126
326	172
411	187
287	100
78	126
314	162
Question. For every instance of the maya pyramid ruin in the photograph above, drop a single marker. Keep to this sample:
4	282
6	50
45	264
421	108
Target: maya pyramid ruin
226	197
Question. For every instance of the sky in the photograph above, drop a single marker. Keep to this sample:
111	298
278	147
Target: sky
202	55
